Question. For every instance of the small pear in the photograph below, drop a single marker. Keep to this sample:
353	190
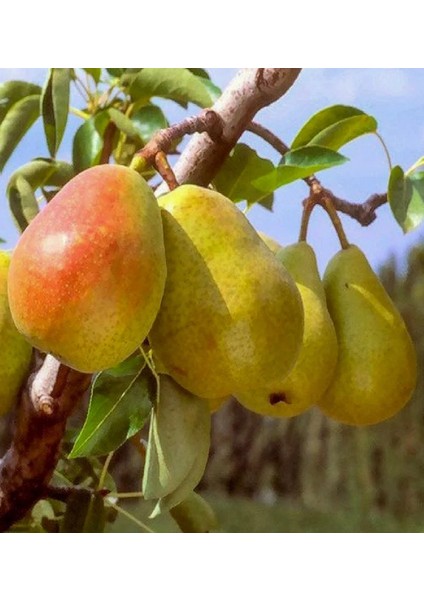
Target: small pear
313	371
377	366
231	317
15	352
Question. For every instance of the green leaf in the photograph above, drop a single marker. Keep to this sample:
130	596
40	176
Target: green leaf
23	203
213	90
326	118
178	447
241	168
88	142
299	164
84	513
406	197
55	107
43	171
95	74
148	120
119	406
2	241
12	91
25	180
124	124
176	84
116	72
417	165
337	135
194	515
200	73
16	123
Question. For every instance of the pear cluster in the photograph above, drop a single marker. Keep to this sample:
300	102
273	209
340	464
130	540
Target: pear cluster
106	266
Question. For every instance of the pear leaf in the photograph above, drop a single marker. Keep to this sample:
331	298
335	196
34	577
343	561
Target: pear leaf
299	164
200	73
179	440
185	488
85	513
119	406
88	141
23	204
194	515
12	91
406	197
148	120
19	118
124	124
332	116
55	106
43	171
25	180
236	178
337	135
95	74
179	85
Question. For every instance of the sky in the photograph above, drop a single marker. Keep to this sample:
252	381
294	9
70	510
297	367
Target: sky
395	97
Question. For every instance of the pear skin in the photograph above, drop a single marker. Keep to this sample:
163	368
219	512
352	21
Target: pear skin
227	299
311	375
272	244
376	371
87	276
15	352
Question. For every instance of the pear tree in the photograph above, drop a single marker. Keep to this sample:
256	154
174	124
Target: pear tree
139	298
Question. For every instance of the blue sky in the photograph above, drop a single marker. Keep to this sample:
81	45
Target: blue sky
395	97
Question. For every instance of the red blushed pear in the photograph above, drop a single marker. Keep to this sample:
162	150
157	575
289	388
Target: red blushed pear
87	276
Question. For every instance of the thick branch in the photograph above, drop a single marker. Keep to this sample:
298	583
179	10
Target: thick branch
250	91
52	393
47	401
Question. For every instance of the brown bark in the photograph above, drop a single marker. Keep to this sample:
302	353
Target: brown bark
52	393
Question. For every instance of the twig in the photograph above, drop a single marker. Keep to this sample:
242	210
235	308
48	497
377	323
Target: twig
269	137
208	121
363	213
62	493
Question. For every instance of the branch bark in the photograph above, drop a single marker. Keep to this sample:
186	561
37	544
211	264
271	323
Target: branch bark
51	393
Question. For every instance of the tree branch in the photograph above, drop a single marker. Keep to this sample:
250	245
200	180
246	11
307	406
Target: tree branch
48	399
363	213
250	91
51	394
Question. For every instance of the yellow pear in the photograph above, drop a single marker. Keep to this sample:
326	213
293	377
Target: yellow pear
15	352
377	366
313	371
272	244
231	316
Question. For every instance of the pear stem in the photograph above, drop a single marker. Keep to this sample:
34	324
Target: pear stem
319	195
307	210
164	168
337	224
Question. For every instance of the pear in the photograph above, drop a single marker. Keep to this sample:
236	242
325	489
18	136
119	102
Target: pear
311	375
377	367
87	276
272	244
15	352
231	317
